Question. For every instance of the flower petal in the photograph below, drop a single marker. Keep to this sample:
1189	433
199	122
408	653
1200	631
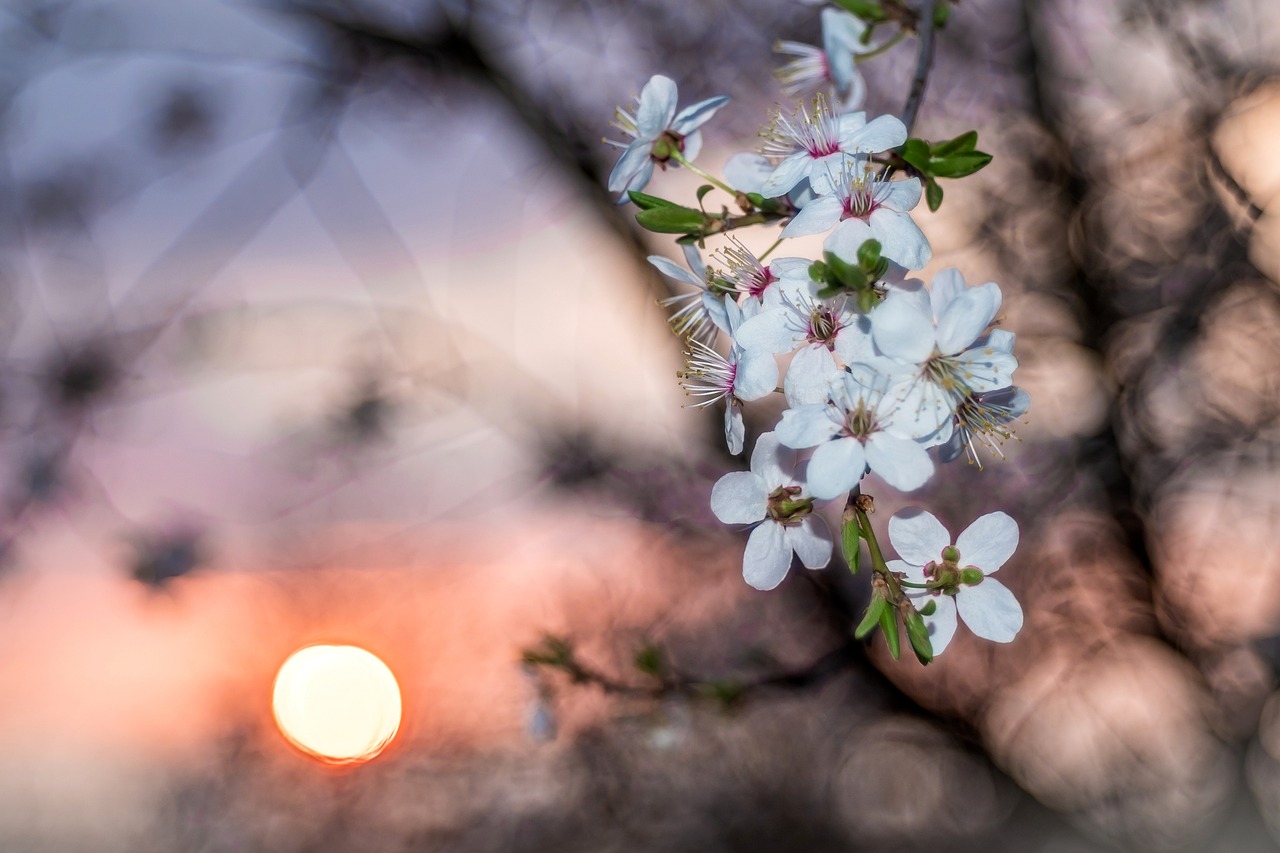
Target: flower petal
918	536
811	540
901	330
817	216
656	108
671	269
900	238
836	467
786	175
942	624
630	166
747	171
989	542
967	316
767	558
740	497
879	134
808	425
945	287
809	376
988	368
735	428
757	375
900	462
990	610
901	195
774	463
696	115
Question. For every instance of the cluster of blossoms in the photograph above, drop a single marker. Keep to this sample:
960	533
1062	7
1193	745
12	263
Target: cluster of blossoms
884	375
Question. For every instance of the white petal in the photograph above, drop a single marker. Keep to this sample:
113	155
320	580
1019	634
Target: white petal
918	536
945	287
694	116
817	216
673	270
740	497
987	369
901	330
807	426
845	240
786	175
853	341
769	331
990	610
757	375
773	462
915	574
967	316
836	467
630	166
900	462
811	540
902	195
657	107
942	624
767	558
735	429
879	134
989	542
900	238
809	376
747	171
692	146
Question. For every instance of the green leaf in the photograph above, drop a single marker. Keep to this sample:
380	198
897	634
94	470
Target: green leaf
916	152
648	202
959	165
962	144
918	635
851	541
818	271
933	195
672	220
703	190
889	625
872	618
845	274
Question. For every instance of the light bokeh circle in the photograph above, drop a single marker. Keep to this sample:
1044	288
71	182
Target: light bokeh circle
339	704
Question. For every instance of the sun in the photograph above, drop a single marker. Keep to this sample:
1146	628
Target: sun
339	704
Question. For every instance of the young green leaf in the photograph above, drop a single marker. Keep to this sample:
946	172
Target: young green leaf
703	190
959	165
672	220
645	201
962	144
872	617
889	625
933	195
851	540
916	152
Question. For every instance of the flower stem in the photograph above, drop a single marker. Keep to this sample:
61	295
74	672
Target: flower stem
769	251
899	36
680	158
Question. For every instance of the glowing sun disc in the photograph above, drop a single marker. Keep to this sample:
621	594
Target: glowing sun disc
339	704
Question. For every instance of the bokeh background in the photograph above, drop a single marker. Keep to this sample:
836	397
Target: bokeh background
318	326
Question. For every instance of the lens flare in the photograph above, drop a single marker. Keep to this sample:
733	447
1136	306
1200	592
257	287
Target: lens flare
338	704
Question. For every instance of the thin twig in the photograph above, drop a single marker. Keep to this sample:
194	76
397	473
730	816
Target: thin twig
923	64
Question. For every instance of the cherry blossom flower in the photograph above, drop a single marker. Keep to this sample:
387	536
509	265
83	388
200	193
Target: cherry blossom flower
941	337
815	145
743	376
853	431
864	207
697	314
657	131
832	64
961	573
771	497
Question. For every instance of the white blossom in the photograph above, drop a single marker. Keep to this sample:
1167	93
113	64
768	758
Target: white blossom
655	127
988	607
772	497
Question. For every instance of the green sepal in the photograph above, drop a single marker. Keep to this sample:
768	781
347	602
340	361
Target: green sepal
958	165
845	274
851	541
869	255
818	271
933	195
872	617
703	190
830	291
930	607
971	576
889	625
672	220
918	636
644	201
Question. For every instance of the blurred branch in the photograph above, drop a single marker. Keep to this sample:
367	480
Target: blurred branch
924	62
